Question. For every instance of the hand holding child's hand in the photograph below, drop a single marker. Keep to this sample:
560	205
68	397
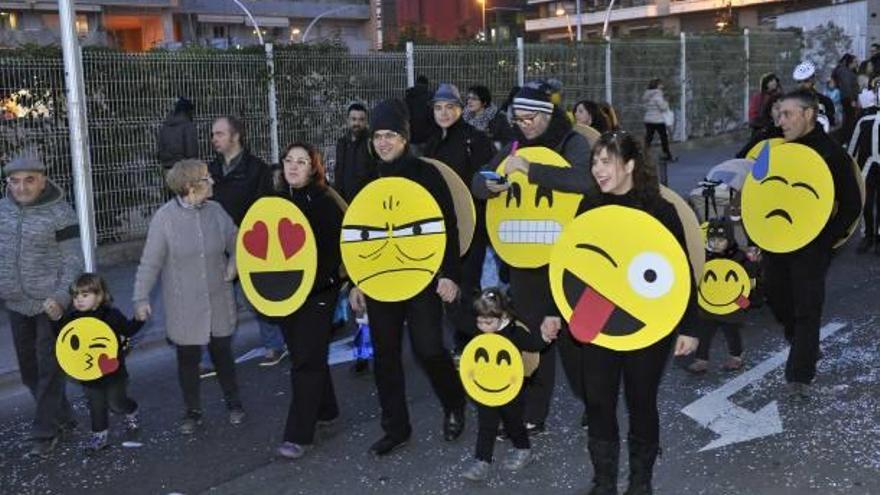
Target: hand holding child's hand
53	310
550	328
143	311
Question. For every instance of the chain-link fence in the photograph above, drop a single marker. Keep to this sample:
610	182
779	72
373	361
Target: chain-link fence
129	96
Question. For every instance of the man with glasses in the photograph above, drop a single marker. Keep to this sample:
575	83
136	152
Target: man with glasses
539	122
795	281
422	314
40	259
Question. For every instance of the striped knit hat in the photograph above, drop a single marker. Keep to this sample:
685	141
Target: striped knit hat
532	100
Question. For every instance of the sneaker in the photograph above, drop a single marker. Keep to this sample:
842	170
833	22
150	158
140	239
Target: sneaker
97	442
519	459
387	445
273	357
290	450
191	422
479	471
236	415
698	367
535	429
733	363
132	422
41	447
206	372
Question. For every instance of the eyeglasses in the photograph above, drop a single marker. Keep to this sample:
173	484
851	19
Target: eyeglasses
386	136
302	162
525	120
206	178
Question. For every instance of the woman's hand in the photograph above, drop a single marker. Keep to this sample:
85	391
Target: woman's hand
685	345
550	328
53	310
447	290
516	164
357	301
143	311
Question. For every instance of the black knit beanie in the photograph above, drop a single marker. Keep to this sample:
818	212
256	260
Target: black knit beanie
390	115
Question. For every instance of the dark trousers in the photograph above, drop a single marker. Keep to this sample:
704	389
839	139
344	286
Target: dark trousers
731	335
40	372
660	129
307	334
872	202
850	117
532	301
422	315
461	312
795	284
188	356
511	415
640	371
109	396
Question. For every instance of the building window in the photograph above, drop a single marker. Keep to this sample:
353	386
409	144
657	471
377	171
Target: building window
8	21
82	24
220	31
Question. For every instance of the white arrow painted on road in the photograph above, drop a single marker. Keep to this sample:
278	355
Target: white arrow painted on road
736	424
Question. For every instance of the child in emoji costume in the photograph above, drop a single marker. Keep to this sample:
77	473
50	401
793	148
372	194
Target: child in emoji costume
108	391
721	279
495	319
422	312
629	187
540	125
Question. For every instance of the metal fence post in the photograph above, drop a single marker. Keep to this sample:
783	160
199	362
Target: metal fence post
79	139
748	74
608	80
273	105
520	62
410	65
682	130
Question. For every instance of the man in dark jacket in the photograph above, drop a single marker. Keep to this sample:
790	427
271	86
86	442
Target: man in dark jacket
845	76
240	178
40	258
178	139
355	166
418	101
795	281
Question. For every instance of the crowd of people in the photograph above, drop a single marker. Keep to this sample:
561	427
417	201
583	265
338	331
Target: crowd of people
190	252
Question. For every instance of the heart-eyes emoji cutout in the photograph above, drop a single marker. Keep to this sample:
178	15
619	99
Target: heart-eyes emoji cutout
256	240
292	237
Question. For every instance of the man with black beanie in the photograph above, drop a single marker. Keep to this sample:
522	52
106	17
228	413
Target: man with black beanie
422	314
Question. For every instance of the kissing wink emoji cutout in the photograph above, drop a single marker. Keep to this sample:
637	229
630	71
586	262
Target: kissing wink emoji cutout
491	369
788	198
724	287
393	239
87	349
276	256
524	222
619	278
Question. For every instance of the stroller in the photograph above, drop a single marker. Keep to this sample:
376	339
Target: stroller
720	195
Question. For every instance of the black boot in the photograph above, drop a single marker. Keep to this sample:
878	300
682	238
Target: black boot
453	424
605	456
641	466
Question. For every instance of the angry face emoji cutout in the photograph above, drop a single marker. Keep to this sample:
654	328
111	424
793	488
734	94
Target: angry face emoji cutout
276	256
491	369
525	221
724	287
620	288
393	239
87	349
788	198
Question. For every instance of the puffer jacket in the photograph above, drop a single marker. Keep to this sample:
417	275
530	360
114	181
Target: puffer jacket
655	105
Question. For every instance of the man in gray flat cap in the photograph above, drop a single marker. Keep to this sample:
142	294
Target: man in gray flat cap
41	257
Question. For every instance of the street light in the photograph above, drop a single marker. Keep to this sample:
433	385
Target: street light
483	6
561	12
316	19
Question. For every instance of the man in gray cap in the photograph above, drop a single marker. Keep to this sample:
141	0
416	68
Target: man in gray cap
40	259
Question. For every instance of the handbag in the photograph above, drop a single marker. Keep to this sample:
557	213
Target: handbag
669	118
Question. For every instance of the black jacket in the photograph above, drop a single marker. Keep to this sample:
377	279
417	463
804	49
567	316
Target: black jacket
410	167
766	133
861	146
464	148
122	327
355	167
521	337
240	188
178	140
421	118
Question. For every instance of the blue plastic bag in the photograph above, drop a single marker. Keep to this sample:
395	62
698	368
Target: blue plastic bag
363	344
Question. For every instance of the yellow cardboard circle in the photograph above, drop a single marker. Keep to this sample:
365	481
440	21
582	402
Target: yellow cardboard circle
787	198
276	255
524	222
860	179
465	211
87	349
588	132
724	287
491	369
756	149
694	235
619	288
393	239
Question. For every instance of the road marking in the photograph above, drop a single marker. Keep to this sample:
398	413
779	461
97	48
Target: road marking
736	424
340	352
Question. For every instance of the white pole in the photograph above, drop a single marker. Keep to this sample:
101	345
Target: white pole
608	69
607	18
253	21
520	62
747	75
682	130
578	8
410	65
316	19
79	150
273	105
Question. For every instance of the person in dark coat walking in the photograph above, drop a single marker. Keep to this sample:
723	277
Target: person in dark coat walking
847	83
178	139
418	102
355	167
421	313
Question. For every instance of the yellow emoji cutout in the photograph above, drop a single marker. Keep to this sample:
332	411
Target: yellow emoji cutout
87	349
620	288
693	232
756	149
788	198
860	179
491	369
462	201
276	255
724	287
393	239
524	222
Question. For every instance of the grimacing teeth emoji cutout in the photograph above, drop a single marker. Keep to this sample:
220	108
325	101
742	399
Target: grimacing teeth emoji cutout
724	287
276	256
526	220
87	349
619	288
491	369
393	239
788	198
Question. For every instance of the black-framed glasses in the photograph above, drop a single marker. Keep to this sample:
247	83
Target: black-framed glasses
525	120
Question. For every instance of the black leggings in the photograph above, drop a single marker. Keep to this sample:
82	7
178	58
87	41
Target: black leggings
110	395
731	335
660	129
490	417
640	370
188	357
872	201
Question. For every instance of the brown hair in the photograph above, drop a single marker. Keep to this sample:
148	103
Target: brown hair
318	171
94	284
493	302
626	147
